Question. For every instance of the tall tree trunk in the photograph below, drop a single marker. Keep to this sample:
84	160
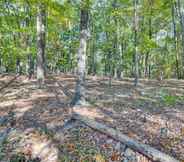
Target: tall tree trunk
92	60
136	61
150	37
117	44
27	41
41	31
1	63
181	16
119	53
175	39
79	98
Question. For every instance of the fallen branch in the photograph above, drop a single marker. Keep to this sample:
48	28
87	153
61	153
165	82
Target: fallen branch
146	150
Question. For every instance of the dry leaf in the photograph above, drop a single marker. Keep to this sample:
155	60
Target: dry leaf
182	131
115	156
99	158
71	147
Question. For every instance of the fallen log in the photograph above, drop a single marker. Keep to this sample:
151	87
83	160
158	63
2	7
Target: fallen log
59	132
144	149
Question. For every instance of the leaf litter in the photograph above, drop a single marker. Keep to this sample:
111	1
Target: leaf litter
141	113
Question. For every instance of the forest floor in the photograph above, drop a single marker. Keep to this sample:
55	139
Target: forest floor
152	113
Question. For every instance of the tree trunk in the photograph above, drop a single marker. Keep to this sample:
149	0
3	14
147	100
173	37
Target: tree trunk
18	66
1	64
136	63
117	44
79	98
175	39
28	40
92	60
181	16
150	37
119	53
30	66
41	31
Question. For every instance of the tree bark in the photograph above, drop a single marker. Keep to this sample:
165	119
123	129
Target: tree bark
119	52
18	66
30	66
79	98
181	16
136	63
92	60
117	44
41	31
175	39
1	63
150	37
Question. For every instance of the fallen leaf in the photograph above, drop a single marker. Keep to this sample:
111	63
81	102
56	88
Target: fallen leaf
71	147
115	156
99	158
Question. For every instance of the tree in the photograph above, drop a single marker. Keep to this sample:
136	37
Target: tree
41	31
175	39
181	19
136	64
79	98
147	69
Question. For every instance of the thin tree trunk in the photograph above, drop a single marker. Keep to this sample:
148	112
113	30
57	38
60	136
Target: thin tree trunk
1	63
136	62
41	30
117	45
79	98
18	66
31	66
119	52
150	37
175	39
92	68
181	15
30	62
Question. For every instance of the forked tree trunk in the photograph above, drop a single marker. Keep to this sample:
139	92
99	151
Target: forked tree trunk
79	98
41	30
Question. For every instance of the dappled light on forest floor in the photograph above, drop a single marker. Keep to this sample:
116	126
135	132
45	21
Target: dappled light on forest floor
153	115
93	113
31	144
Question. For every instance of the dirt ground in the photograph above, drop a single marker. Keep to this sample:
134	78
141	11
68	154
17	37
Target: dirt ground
152	113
